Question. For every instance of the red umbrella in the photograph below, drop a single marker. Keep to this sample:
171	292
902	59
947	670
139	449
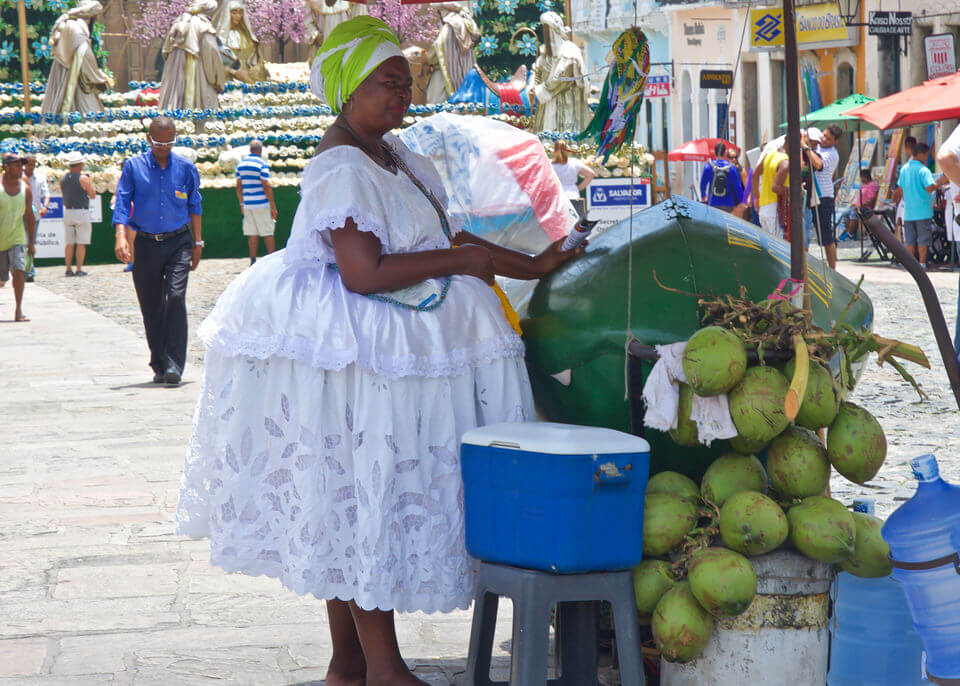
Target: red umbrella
700	150
931	101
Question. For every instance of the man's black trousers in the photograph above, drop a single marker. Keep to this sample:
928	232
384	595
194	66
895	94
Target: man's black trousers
160	271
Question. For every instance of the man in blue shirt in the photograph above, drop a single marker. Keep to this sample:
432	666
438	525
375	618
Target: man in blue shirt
915	184
158	196
720	184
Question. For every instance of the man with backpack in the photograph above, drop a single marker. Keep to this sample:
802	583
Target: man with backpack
720	184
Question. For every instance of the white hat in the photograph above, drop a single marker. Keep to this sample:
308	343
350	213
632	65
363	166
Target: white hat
74	157
814	134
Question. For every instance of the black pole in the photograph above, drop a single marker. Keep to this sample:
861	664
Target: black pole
859	169
930	301
798	256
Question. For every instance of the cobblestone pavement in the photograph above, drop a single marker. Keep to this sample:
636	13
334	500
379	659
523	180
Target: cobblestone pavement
96	589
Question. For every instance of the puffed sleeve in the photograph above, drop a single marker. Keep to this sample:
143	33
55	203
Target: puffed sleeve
336	186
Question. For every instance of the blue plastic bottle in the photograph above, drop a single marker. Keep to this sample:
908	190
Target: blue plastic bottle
927	566
872	639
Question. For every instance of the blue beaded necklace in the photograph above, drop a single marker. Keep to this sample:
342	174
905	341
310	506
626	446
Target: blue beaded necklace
434	301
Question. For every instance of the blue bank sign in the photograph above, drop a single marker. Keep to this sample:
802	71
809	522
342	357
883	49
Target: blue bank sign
609	200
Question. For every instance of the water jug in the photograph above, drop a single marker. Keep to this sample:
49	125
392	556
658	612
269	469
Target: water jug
928	567
872	639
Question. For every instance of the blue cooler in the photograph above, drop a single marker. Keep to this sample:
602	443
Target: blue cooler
555	497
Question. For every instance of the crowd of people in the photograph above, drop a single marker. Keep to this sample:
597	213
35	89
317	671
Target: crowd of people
18	226
762	194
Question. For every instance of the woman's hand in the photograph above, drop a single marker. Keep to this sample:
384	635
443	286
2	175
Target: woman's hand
553	257
475	260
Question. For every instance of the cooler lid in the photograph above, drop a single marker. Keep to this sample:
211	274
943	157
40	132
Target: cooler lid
556	439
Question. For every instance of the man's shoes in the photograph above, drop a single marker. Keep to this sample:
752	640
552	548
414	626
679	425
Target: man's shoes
69	272
81	273
158	377
171	377
252	261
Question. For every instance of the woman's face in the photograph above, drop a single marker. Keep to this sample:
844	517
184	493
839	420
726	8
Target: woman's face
236	17
381	101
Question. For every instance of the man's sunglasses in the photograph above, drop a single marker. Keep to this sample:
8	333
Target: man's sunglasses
162	144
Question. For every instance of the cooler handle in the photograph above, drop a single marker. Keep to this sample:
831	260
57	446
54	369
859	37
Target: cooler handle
612	473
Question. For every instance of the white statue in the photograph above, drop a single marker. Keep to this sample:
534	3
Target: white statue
235	32
75	78
558	80
451	54
194	73
321	16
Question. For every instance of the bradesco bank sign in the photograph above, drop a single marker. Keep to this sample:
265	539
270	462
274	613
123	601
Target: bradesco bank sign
817	25
608	200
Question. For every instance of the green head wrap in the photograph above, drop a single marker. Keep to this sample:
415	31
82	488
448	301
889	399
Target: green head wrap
348	55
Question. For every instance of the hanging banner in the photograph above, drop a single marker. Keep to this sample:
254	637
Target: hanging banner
890	166
657	87
821	23
720	79
850	184
941	55
890	24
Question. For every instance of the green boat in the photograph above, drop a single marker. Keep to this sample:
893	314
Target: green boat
575	320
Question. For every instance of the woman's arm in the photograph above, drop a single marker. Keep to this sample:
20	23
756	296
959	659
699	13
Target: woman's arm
587	175
518	265
365	269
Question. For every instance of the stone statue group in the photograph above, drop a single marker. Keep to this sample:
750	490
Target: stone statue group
213	42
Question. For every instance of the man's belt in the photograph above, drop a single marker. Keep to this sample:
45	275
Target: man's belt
161	237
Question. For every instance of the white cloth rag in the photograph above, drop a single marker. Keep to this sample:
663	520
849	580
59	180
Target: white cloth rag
661	394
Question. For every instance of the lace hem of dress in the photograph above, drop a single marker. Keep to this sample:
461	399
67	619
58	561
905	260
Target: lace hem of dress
313	354
428	603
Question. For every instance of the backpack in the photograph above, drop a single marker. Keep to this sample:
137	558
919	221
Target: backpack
718	188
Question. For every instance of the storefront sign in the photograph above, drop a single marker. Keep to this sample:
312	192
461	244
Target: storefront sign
721	79
49	238
890	24
657	87
694	33
608	200
941	55
815	24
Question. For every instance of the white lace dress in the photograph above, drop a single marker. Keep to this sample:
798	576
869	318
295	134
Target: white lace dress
325	448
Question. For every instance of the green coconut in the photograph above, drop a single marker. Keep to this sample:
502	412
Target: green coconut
756	404
871	554
681	627
856	445
752	523
723	581
822	529
732	473
667	519
746	446
686	432
822	399
675	483
714	359
797	464
651	579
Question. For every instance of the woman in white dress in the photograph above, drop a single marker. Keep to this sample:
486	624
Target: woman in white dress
325	443
574	175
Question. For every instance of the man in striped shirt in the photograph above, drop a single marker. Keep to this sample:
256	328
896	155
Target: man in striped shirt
256	200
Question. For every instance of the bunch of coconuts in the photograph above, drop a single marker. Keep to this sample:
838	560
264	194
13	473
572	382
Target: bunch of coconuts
697	540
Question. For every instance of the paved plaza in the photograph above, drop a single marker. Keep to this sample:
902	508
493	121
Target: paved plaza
95	588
